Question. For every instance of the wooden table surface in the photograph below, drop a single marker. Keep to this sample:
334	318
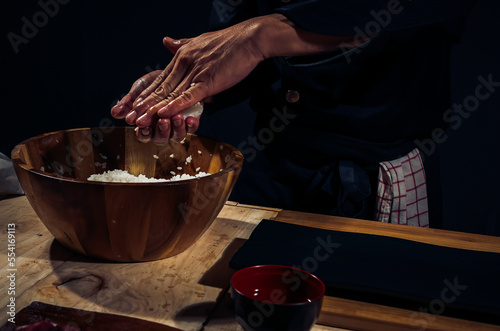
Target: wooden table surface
190	291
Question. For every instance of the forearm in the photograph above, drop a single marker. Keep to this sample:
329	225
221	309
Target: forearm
275	35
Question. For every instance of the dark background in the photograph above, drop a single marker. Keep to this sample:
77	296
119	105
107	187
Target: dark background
79	62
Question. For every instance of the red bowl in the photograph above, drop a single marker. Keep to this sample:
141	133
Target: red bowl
274	297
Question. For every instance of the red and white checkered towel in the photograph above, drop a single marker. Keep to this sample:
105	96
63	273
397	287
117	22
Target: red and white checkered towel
402	191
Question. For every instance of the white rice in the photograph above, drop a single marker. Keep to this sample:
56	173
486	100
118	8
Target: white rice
123	176
194	111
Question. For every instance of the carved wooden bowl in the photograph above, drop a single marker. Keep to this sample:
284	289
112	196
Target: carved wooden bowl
124	221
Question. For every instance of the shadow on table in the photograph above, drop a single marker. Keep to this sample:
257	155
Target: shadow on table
60	253
102	282
219	275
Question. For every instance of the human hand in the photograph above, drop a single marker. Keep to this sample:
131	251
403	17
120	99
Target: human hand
202	67
124	109
211	63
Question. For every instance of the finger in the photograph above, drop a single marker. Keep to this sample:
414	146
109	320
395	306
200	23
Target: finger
192	124
125	105
142	103
152	86
178	128
142	83
131	117
122	107
143	134
195	93
147	119
151	114
162	104
162	87
174	44
162	132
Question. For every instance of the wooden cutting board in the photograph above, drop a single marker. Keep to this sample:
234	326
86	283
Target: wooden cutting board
85	320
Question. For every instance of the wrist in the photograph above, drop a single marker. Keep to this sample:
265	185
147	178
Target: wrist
275	35
269	35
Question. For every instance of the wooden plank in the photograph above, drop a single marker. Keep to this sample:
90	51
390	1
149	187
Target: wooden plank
425	235
85	320
357	315
365	316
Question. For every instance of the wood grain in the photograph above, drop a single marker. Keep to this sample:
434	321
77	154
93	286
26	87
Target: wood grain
81	154
424	235
83	320
190	290
124	222
371	317
179	291
365	316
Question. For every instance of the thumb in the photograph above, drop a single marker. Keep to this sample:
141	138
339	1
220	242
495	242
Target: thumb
174	44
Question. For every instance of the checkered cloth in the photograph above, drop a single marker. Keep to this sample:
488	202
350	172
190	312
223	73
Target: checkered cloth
402	192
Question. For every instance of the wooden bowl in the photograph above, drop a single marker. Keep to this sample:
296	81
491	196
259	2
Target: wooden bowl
124	221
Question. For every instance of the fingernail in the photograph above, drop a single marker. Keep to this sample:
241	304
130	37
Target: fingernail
163	127
190	125
160	112
145	132
131	116
140	119
177	122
